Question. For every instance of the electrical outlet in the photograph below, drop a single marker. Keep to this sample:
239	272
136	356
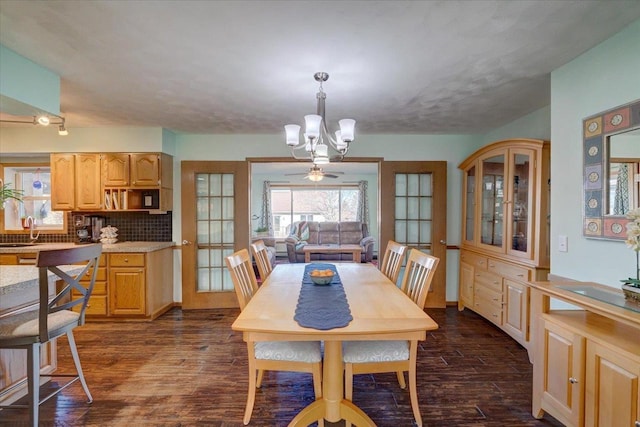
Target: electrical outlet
563	243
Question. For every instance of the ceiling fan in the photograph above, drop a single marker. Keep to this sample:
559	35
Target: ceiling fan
316	173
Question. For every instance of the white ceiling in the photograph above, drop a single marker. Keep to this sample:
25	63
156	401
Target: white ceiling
247	66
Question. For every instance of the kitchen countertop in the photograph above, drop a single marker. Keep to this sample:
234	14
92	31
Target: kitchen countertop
115	248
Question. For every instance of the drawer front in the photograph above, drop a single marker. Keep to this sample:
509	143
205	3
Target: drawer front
97	306
489	280
509	270
478	261
100	288
8	259
488	310
488	294
126	260
101	276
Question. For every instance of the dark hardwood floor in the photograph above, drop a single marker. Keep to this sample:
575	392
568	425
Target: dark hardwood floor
189	369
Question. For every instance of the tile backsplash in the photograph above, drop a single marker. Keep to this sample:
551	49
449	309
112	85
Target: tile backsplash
132	226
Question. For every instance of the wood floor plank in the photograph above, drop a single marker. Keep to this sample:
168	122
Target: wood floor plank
187	368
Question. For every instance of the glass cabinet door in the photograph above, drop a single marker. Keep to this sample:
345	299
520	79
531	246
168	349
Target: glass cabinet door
492	200
521	179
470	204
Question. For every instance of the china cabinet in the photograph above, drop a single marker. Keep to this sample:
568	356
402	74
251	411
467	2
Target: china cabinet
505	231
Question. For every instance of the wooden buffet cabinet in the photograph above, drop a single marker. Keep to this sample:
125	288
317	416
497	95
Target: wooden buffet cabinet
112	181
586	368
505	231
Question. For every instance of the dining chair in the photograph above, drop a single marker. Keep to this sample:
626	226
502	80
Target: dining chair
392	260
371	357
53	317
290	356
261	256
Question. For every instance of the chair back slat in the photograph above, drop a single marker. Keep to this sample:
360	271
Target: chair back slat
50	261
261	256
418	275
392	260
242	275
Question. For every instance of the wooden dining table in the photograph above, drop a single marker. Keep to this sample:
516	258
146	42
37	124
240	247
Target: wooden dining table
380	311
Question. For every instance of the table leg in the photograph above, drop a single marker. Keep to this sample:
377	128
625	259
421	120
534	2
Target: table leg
357	256
333	407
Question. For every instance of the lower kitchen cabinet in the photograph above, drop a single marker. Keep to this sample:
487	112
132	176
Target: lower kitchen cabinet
132	286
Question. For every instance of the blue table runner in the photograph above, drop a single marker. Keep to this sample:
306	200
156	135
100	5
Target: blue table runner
322	306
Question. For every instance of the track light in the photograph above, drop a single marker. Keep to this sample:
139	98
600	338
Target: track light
44	120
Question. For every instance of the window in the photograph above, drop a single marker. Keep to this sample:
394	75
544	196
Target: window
291	204
35	182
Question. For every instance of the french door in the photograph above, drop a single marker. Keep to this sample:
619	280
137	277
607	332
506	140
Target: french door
413	212
215	223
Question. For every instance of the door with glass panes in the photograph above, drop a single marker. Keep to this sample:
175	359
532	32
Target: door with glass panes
413	212
215	223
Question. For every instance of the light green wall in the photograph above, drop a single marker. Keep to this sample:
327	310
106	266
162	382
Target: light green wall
536	125
32	139
27	82
600	79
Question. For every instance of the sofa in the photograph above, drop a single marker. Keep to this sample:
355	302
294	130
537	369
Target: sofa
328	233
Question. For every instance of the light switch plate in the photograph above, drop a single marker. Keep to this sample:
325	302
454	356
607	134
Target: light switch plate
563	243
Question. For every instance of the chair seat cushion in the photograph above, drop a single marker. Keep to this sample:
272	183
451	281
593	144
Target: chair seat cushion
374	351
295	351
26	324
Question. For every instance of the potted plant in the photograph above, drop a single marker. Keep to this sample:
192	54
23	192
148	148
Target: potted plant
7	193
631	286
262	231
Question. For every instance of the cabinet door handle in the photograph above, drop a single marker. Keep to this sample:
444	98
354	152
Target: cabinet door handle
573	380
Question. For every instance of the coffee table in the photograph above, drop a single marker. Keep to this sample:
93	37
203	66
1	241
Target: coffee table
354	250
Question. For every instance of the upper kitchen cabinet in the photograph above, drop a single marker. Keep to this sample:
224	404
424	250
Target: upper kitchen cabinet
506	201
75	182
125	182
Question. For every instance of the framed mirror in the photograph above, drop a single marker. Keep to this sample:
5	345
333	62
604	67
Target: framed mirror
611	179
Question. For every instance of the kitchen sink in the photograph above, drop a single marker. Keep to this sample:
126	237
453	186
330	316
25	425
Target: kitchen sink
15	245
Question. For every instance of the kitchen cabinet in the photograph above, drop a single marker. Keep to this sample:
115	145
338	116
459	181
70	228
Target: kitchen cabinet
112	181
126	284
505	231
76	182
586	369
18	259
97	304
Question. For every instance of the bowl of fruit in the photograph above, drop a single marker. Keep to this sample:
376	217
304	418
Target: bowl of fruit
321	277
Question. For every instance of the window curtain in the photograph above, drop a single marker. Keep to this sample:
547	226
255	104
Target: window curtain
266	220
621	198
363	203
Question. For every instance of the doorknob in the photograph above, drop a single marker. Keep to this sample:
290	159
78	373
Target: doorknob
186	242
443	242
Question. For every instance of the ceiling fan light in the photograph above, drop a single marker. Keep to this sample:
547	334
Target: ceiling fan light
315	177
43	120
312	125
347	129
293	135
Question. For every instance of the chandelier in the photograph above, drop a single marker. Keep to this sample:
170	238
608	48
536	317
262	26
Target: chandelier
317	139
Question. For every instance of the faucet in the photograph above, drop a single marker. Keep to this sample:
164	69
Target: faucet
31	224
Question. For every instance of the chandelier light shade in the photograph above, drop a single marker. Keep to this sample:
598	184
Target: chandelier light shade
317	141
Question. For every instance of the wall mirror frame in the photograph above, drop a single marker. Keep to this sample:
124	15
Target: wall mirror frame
597	132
